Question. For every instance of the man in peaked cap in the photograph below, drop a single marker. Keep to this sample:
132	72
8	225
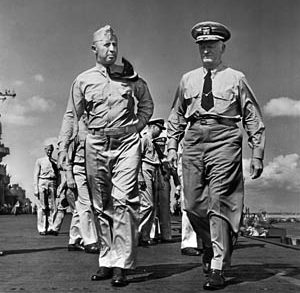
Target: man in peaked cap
209	103
108	93
148	178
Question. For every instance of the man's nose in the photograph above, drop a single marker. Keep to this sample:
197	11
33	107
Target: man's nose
112	47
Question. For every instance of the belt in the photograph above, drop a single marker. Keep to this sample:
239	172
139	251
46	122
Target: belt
112	131
52	178
209	120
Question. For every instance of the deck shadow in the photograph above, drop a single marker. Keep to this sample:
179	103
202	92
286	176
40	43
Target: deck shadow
21	251
153	272
253	272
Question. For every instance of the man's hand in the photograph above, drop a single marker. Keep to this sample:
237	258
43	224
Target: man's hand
61	159
177	192
142	185
70	180
256	168
173	158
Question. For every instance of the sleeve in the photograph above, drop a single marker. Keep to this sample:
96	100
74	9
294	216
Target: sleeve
75	108
252	120
145	104
71	154
36	173
144	143
63	184
177	122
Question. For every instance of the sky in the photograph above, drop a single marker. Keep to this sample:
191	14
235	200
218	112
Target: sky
44	45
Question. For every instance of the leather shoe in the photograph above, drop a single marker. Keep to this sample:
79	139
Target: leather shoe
53	233
215	280
43	233
75	247
119	278
103	273
2	253
190	251
147	242
92	248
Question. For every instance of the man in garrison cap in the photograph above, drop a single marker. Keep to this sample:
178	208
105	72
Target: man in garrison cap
210	102
108	94
45	178
148	178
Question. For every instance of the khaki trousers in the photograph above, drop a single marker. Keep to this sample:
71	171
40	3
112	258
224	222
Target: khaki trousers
112	165
46	207
83	206
212	157
147	211
163	206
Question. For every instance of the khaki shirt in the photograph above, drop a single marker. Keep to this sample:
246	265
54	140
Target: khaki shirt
45	168
233	99
109	103
149	154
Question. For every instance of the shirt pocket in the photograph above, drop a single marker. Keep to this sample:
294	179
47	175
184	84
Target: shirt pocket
190	94
97	94
224	99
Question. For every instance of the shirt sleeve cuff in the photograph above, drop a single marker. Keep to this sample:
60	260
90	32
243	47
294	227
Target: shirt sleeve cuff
258	153
172	144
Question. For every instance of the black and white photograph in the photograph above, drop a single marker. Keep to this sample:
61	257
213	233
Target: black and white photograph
149	146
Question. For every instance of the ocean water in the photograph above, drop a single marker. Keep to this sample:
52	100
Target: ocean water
292	229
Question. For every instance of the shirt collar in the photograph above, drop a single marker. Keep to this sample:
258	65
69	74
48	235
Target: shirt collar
102	69
214	71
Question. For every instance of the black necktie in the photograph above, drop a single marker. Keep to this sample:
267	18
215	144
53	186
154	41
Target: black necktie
207	101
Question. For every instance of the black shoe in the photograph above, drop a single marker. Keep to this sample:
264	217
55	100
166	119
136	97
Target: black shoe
167	240
119	278
2	253
43	233
92	248
53	233
76	247
206	260
190	251
103	273
147	242
215	280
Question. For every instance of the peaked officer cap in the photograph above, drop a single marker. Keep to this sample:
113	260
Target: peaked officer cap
210	31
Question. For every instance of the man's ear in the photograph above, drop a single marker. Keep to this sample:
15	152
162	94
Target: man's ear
94	49
223	48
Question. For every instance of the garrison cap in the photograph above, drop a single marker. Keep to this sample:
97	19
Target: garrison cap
210	31
48	145
158	122
102	32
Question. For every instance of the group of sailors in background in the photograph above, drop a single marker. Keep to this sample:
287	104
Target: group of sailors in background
59	191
